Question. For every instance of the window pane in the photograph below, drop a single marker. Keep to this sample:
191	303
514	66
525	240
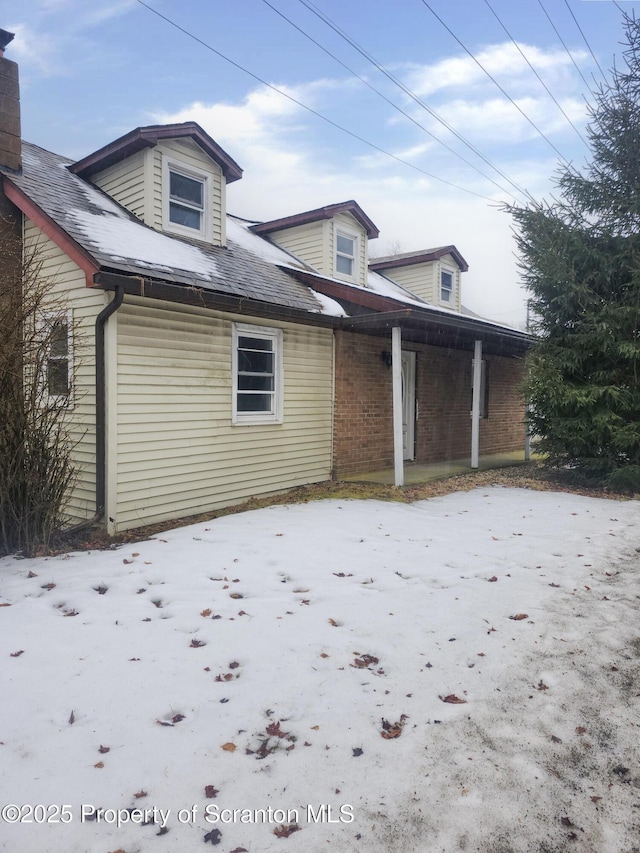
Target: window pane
345	245
185	189
255	362
58	377
59	341
255	343
254	402
184	216
255	383
344	265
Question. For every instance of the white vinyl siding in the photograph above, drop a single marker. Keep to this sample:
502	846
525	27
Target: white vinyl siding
68	280
178	452
125	182
424	280
304	241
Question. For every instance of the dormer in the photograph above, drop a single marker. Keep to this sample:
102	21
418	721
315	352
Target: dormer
432	274
333	239
173	177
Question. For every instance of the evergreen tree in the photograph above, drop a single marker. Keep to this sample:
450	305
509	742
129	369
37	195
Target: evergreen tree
580	259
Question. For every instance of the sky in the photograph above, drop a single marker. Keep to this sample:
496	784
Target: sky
459	673
431	114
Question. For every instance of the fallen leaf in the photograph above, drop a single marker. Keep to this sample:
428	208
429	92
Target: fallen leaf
163	830
324	655
196	644
140	794
580	730
365	661
595	799
48	586
229	747
210	792
555	739
452	699
285	830
493	579
32	575
236	595
519	616
214	836
342	575
315	728
333	622
17	654
274	730
555	585
127	562
103	749
566	822
542	685
357	752
206	612
99	765
393	730
72	718
234	664
177	718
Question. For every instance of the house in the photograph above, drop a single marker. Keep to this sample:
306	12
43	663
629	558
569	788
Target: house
217	359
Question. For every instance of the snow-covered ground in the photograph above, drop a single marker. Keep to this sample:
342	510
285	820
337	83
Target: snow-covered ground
462	673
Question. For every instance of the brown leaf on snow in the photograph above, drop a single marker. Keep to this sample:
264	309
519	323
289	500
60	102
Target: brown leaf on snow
285	830
99	765
342	575
566	822
140	794
229	747
32	575
206	612
103	749
580	730
519	616
555	739
324	655
452	699
226	677
48	586
239	850
333	622
210	792
236	595
177	718
542	685
555	585
17	654
274	730
364	661
196	644
234	664
393	730
493	579
595	799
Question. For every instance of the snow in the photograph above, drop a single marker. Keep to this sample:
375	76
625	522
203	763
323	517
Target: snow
260	620
238	231
118	237
329	306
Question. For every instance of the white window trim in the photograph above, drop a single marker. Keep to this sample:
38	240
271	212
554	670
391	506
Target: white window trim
451	303
169	165
46	323
276	336
350	235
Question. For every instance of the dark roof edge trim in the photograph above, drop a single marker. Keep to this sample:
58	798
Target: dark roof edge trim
200	297
326	212
148	137
408	259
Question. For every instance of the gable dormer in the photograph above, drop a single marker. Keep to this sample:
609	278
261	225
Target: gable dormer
333	239
432	274
173	177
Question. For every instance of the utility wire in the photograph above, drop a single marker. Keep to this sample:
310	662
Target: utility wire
522	54
566	3
384	97
310	6
495	82
562	41
310	109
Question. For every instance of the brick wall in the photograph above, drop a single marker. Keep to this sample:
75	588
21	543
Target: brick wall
363	434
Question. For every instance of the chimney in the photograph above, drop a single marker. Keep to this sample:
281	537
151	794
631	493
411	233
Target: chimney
10	144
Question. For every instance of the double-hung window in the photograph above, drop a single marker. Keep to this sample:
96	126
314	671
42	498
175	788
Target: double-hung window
345	254
185	207
257	374
58	364
446	287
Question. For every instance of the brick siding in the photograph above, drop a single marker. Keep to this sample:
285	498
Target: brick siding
363	433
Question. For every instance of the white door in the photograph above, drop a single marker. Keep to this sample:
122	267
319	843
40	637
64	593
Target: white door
408	404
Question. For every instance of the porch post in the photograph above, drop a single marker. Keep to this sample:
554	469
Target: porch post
475	406
396	356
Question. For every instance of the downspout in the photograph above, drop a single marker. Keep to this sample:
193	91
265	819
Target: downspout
101	403
101	408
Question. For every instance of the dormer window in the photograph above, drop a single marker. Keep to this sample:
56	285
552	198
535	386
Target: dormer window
446	287
185	200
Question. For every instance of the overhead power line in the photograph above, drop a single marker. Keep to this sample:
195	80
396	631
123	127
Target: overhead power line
310	109
385	98
523	55
562	41
314	9
595	59
495	82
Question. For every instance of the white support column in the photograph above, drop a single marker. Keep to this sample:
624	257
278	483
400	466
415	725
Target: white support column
475	407
396	355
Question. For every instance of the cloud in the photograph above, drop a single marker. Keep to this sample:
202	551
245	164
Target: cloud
500	60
